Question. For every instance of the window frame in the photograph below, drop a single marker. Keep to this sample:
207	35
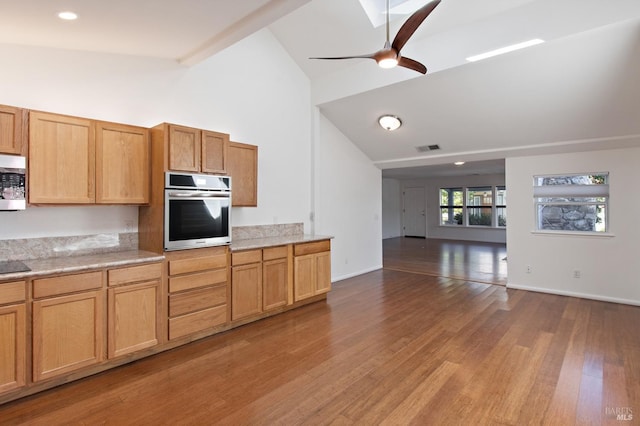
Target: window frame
544	195
466	206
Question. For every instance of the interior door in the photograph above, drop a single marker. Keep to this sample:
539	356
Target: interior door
415	220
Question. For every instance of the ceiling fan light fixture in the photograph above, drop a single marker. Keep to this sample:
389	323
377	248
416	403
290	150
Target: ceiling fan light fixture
388	63
68	15
389	122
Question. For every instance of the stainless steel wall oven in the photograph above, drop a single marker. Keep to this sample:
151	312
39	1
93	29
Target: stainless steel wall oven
197	211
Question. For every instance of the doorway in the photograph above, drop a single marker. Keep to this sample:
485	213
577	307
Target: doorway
414	209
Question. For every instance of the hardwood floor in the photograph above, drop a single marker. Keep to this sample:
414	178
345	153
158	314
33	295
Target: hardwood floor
388	347
465	260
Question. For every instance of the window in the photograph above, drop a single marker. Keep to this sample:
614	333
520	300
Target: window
474	206
501	205
480	205
575	203
451	206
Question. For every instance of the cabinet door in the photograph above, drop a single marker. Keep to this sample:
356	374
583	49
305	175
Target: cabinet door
11	132
246	290
323	272
184	149
13	348
304	276
122	164
67	333
132	318
214	152
61	159
242	166
274	283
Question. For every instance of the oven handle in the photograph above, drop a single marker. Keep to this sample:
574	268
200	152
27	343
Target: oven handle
187	194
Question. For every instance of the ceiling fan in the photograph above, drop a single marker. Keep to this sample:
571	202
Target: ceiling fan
389	56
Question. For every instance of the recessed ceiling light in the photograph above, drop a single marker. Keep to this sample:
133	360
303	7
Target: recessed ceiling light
459	163
389	122
504	50
68	15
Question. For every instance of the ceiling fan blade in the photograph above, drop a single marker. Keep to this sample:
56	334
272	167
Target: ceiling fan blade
369	56
412	65
412	24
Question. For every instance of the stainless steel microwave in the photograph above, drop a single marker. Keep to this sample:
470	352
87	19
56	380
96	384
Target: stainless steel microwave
197	211
12	182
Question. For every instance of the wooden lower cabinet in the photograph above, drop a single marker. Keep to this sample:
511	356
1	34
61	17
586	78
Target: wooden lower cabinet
132	317
133	306
312	269
198	282
67	333
274	283
246	290
13	347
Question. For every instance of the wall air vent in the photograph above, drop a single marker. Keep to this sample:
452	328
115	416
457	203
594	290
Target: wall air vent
425	148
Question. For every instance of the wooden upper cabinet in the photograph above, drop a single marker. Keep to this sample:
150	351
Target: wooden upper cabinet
75	160
195	150
242	166
214	152
122	164
12	132
61	159
184	148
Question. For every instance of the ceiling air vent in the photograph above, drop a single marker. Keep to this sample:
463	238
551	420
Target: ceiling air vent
425	148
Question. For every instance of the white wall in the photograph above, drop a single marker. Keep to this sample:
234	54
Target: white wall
348	203
304	167
435	230
268	107
391	208
606	264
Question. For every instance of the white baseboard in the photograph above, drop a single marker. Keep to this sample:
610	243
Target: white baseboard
575	294
355	274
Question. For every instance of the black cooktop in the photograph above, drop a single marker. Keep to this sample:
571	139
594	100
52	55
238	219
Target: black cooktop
10	266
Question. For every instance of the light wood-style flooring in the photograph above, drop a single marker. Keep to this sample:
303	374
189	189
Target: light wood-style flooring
465	260
387	347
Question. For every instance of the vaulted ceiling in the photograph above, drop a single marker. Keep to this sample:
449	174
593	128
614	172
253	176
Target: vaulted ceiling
577	91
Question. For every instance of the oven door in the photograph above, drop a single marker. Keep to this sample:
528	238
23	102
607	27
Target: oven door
196	219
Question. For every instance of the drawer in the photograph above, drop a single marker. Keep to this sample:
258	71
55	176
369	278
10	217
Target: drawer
196	300
197	264
246	257
315	247
274	253
45	287
197	321
12	292
202	279
134	274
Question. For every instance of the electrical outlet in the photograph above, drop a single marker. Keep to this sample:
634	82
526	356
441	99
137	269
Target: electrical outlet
128	226
528	269
577	273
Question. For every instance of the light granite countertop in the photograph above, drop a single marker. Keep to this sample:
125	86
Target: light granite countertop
256	243
72	264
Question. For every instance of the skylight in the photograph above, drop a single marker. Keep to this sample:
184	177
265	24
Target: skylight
504	50
376	9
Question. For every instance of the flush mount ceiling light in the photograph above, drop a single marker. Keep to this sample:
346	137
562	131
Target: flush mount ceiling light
504	50
67	15
458	163
389	122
